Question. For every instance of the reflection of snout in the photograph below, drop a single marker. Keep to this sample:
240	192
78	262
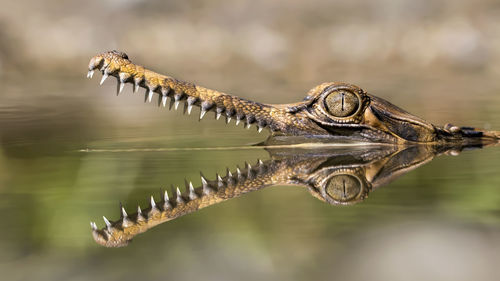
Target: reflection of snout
387	117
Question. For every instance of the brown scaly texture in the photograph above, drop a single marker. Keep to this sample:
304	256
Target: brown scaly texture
263	115
330	112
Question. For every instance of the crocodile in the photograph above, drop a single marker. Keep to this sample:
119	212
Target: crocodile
340	176
330	112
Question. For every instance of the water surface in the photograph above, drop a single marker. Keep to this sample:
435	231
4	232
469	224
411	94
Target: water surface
69	159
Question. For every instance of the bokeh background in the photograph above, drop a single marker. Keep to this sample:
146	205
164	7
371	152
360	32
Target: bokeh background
437	59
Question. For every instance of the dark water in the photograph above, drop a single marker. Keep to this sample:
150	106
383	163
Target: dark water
67	159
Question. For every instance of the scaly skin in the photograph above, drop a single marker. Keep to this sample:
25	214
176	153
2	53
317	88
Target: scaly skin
330	111
338	177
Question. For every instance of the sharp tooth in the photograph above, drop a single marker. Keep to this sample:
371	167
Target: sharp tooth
248	126
165	196
192	193
164	100
136	85
177	98
153	204
90	74
220	182
108	224
229	174
120	87
228	120
93	225
104	76
202	113
150	95
190	102
237	121
179	198
218	115
204	181
248	166
140	217
260	162
259	129
124	213
238	171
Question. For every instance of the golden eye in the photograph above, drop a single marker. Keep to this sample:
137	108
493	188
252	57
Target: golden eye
342	103
343	188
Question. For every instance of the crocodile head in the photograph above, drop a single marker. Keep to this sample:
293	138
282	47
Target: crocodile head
330	111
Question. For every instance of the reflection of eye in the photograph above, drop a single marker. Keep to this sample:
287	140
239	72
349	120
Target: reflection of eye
342	103
343	188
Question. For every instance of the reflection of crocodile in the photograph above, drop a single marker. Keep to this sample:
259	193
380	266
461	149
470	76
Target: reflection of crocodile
335	111
342	176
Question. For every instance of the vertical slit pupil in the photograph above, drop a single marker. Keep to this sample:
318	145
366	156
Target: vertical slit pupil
343	97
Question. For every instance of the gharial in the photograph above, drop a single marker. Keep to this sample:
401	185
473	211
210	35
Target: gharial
329	112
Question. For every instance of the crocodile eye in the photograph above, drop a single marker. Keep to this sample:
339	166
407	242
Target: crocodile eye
342	103
343	188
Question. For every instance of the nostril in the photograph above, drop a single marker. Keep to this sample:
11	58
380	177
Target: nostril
121	54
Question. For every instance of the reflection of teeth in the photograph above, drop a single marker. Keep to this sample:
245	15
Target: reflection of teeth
153	204
165	210
192	193
108	224
124	213
166	201
140	217
220	182
179	196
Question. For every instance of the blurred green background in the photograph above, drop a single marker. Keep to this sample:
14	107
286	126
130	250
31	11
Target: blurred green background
437	59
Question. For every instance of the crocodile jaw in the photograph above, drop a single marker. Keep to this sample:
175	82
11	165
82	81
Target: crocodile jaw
378	121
